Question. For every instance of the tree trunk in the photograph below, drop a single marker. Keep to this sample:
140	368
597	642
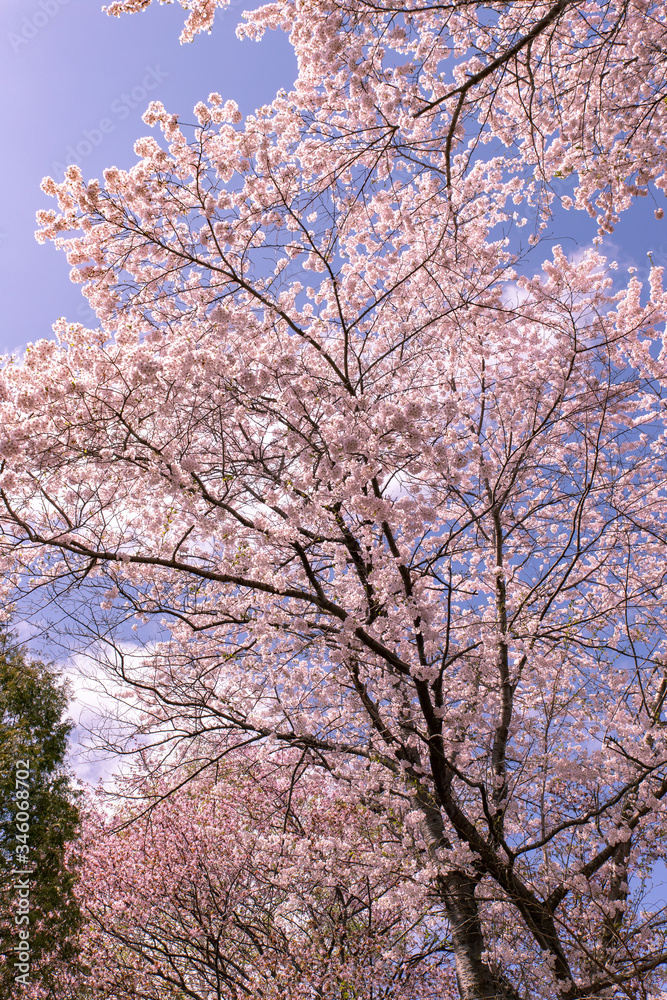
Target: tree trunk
476	980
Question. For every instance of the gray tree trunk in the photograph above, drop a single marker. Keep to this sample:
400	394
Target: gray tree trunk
476	980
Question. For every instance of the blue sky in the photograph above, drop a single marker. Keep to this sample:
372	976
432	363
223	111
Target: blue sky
73	78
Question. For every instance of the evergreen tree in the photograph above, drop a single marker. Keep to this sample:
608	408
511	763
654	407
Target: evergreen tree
33	731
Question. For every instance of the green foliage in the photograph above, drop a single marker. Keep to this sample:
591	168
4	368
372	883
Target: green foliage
32	705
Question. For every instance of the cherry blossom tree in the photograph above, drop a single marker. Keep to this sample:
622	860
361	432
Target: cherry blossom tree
249	883
389	498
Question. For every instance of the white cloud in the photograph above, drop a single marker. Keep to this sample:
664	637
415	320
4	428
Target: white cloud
104	720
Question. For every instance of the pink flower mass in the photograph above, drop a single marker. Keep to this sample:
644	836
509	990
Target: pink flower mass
387	480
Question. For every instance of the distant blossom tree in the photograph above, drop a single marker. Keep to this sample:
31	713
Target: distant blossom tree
394	502
247	882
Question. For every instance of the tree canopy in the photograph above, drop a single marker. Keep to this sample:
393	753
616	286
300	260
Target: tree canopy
389	484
